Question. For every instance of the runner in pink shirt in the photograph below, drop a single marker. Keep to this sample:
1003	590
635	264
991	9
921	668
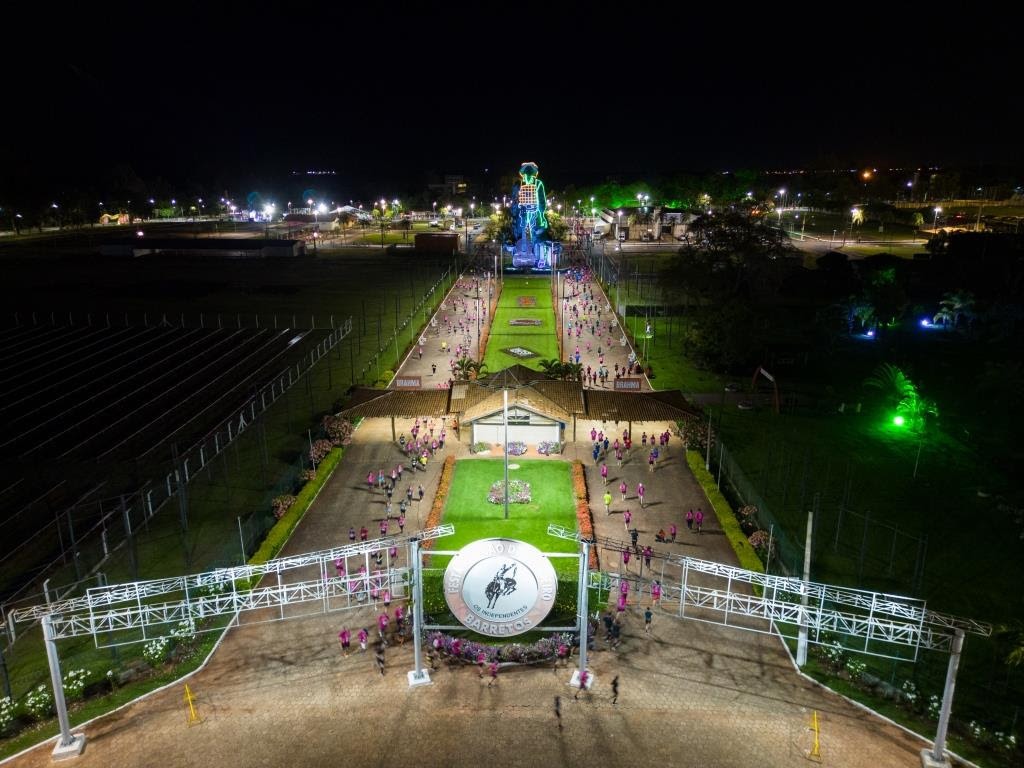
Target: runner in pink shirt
345	638
623	489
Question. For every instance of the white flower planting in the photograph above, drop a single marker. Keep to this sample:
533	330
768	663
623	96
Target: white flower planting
155	651
39	703
74	683
6	713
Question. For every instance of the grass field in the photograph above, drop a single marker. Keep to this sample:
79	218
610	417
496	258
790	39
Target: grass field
540	339
264	462
474	517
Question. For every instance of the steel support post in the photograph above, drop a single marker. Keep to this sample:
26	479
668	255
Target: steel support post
584	622
418	675
936	756
68	744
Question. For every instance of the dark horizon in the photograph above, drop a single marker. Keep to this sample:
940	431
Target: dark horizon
203	102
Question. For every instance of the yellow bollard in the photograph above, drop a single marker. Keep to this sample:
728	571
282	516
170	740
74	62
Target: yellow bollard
815	751
193	715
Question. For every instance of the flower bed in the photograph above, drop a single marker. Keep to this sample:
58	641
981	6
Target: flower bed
518	492
443	486
545	649
547	447
584	519
481	448
516	448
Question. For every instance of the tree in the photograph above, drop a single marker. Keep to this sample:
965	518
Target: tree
557	228
466	368
1011	637
901	392
572	371
955	305
552	368
917	219
740	248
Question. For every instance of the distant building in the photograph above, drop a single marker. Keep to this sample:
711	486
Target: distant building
454	185
212	247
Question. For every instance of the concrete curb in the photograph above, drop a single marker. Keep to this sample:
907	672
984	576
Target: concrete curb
863	707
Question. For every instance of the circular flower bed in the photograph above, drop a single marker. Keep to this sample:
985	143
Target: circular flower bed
518	492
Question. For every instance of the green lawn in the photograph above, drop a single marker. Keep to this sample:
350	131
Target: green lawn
474	517
540	339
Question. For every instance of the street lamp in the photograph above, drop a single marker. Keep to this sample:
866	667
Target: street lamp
935	223
618	227
174	208
268	213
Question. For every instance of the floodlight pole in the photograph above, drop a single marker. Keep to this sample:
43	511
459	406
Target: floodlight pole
801	643
584	618
418	675
937	755
707	458
68	744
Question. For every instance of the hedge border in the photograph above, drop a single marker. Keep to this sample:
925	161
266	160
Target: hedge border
485	333
584	515
726	517
440	497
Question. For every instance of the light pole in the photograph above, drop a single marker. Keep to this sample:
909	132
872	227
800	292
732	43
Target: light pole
618	227
935	223
268	212
853	220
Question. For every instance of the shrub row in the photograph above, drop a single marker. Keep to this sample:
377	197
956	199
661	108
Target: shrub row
485	332
584	518
437	508
726	517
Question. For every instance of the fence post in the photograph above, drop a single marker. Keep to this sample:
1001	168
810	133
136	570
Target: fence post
130	538
863	545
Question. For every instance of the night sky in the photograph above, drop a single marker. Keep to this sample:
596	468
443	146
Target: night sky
386	97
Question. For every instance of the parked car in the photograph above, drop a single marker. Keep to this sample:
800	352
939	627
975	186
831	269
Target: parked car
434	223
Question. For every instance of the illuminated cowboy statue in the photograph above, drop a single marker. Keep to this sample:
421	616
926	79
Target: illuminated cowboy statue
532	248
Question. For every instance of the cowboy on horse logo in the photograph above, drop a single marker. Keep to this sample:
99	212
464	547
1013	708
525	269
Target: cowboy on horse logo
501	585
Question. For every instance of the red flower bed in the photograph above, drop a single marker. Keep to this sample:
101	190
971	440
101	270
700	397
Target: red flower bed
584	520
443	485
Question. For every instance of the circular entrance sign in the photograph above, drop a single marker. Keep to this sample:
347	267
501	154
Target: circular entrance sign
500	587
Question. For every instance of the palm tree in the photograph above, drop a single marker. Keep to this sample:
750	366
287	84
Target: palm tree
899	390
466	368
552	368
1012	636
954	305
572	371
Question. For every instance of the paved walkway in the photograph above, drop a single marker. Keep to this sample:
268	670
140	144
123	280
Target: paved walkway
691	694
460	314
455	323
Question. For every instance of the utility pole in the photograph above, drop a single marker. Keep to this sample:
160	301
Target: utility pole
801	646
